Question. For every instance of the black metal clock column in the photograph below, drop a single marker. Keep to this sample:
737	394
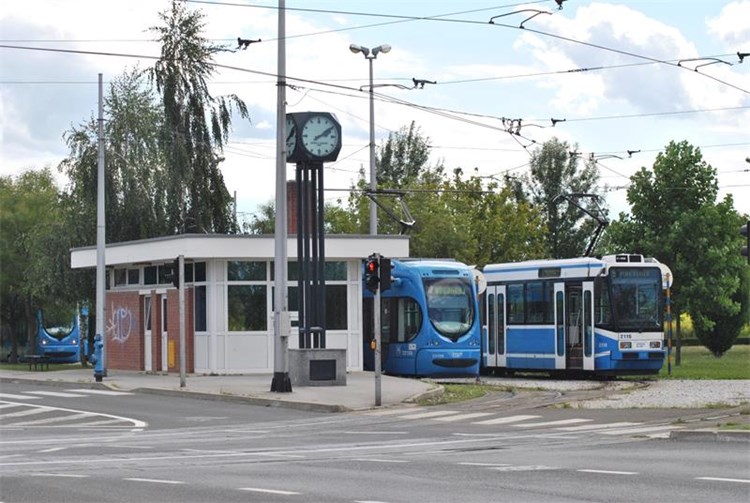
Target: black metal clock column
313	138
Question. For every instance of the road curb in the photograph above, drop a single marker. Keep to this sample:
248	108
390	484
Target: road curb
248	400
711	435
57	383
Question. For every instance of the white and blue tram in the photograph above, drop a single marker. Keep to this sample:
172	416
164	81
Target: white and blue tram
583	315
430	322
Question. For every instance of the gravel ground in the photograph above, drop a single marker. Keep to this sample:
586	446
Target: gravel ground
677	394
644	394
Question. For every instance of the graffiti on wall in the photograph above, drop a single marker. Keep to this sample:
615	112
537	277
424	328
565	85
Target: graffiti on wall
121	323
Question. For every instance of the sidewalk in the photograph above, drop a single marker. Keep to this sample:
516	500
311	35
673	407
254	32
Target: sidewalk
358	394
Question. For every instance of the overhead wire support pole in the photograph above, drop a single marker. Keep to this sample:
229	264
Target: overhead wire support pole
101	281
281	322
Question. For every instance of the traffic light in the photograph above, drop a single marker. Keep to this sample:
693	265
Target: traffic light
385	274
745	231
372	280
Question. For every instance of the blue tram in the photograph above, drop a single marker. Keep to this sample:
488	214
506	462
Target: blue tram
598	316
59	344
430	322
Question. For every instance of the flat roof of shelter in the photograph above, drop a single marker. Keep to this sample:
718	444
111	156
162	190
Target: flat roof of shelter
235	246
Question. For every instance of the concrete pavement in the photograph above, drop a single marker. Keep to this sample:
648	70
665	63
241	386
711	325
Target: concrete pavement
358	394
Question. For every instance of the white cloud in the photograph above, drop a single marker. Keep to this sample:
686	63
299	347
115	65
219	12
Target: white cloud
732	25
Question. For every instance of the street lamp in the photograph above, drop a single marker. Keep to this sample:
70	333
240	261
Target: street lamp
370	55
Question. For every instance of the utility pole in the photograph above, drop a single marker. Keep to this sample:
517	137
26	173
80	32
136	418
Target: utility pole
101	271
181	288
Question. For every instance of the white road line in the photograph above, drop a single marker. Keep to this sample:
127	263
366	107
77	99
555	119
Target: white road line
645	429
63	475
391	412
53	449
377	460
587	427
18	397
100	392
607	472
21	413
722	479
269	491
461	417
7	405
489	465
506	420
58	394
552	423
155	481
426	415
58	419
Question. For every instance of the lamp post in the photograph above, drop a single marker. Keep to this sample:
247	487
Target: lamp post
370	55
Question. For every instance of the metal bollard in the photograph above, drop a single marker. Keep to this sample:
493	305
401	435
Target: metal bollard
96	358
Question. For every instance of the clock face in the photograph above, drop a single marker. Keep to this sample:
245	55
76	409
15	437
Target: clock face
291	136
320	136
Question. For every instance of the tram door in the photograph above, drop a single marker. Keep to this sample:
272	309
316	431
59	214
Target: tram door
495	334
573	306
588	326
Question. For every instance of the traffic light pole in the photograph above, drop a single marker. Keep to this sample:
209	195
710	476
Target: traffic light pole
376	322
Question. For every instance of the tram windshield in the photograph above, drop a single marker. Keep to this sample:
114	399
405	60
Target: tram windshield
450	305
636	298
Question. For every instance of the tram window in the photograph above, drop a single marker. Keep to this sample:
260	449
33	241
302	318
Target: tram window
603	308
515	304
538	302
491	327
400	319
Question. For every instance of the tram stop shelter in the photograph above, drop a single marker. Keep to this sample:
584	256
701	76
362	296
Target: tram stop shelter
228	299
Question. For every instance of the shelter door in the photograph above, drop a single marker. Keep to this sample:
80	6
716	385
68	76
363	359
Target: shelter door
164	337
147	340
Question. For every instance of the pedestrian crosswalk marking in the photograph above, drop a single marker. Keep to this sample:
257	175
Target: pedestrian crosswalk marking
105	392
57	394
552	423
11	396
505	420
588	427
645	429
432	414
461	417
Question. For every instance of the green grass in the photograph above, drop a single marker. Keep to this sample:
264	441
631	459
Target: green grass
698	363
458	393
52	366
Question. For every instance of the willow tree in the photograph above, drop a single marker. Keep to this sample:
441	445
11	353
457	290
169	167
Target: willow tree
196	124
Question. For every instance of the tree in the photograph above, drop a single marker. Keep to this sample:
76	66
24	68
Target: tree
554	171
675	218
135	177
196	125
33	253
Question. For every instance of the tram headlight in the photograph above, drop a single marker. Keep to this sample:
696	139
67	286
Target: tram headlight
626	345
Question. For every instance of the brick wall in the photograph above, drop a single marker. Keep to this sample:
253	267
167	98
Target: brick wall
124	326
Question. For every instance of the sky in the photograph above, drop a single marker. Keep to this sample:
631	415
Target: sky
621	79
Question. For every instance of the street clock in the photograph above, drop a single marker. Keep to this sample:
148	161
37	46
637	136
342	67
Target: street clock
312	137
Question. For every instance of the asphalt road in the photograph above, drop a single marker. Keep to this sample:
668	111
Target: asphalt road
93	447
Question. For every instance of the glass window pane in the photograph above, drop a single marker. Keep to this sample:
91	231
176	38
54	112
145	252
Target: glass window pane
515	304
200	271
149	275
336	307
134	276
200	308
246	271
247	309
120	277
336	271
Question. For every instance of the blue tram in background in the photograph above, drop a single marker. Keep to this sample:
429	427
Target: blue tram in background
430	323
59	344
582	315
